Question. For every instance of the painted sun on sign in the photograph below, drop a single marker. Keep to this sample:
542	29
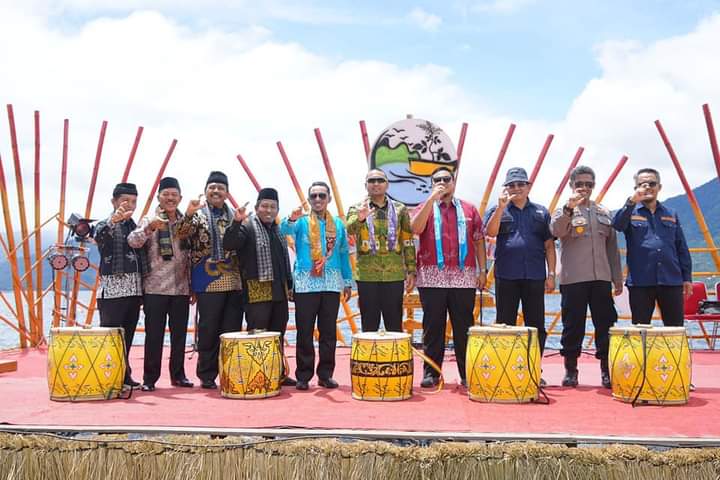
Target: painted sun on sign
408	152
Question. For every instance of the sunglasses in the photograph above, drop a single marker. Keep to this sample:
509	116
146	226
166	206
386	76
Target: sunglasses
321	196
517	184
584	184
442	179
647	184
376	180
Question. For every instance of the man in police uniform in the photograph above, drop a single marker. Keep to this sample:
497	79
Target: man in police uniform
590	274
658	258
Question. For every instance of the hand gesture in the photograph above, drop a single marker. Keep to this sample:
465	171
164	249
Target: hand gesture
639	193
365	210
438	191
241	214
505	198
574	200
194	205
158	222
295	214
122	213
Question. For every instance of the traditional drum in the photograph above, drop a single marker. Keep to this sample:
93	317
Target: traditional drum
650	364
250	364
381	366
85	363
503	364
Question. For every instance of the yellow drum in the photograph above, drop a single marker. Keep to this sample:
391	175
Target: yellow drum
650	364
250	364
503	364
85	363
381	366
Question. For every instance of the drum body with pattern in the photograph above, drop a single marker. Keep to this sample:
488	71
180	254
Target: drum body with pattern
381	366
250	364
503	364
85	363
650	364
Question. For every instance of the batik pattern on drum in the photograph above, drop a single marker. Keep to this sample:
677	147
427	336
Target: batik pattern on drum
250	365
381	366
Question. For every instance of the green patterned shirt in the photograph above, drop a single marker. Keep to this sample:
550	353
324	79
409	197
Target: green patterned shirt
383	265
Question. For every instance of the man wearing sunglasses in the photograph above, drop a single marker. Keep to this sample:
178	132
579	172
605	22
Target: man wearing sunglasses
658	258
385	254
590	273
322	273
450	267
524	245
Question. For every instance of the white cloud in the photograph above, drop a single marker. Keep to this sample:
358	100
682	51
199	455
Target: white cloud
500	6
223	93
426	21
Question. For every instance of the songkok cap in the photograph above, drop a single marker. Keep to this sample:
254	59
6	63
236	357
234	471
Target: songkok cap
168	182
516	174
217	177
267	194
125	189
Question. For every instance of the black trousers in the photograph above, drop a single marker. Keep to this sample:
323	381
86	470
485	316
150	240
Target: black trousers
121	312
670	299
309	307
159	310
509	293
271	316
575	300
376	298
218	313
437	303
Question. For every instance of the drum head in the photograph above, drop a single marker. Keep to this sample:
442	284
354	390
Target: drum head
379	336
84	331
501	329
248	336
650	331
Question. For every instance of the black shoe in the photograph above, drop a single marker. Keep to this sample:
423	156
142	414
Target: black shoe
288	382
147	387
130	382
182	382
463	382
301	385
209	384
543	383
571	372
429	381
605	373
328	383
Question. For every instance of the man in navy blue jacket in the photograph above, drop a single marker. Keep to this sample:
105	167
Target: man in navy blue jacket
659	263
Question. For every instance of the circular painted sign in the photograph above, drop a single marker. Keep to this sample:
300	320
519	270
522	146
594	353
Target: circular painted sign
409	151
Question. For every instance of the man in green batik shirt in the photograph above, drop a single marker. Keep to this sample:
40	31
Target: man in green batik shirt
385	254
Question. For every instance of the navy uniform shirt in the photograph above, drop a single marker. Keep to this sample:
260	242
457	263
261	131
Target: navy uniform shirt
520	244
657	252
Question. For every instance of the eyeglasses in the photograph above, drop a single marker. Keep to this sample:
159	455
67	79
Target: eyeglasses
517	184
648	184
376	180
442	179
584	184
321	196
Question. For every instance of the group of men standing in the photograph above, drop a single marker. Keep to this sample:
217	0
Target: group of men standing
236	265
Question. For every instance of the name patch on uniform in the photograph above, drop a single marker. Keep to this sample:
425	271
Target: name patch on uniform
668	219
638	218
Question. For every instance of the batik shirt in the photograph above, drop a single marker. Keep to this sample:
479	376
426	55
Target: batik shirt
384	265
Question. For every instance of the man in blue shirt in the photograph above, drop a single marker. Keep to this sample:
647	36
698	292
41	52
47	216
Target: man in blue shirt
658	258
523	247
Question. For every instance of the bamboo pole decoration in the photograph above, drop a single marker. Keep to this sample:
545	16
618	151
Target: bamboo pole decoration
330	174
540	160
460	148
23	221
293	177
39	316
366	141
159	176
563	182
88	208
12	258
232	201
496	169
249	173
61	223
611	179
133	151
712	137
690	194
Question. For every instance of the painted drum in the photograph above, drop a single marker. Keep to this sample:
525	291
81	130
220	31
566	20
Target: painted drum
85	363
503	364
650	365
250	364
381	366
